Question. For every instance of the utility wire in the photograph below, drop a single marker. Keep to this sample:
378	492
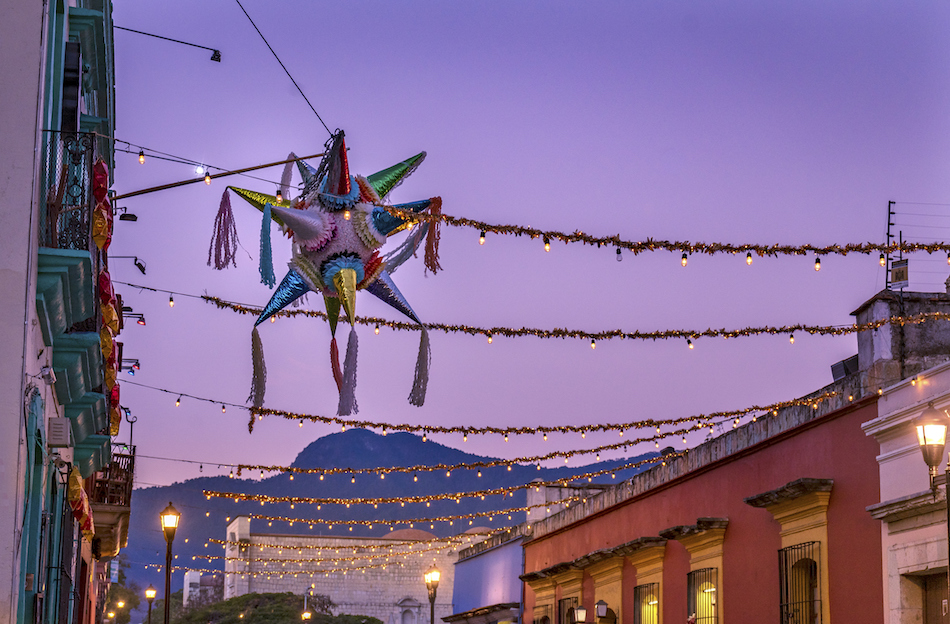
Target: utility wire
284	67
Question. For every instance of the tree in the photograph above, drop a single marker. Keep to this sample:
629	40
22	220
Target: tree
123	591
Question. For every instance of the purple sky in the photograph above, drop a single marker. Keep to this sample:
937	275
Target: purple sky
718	121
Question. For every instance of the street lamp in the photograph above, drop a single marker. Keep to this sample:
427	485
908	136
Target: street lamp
600	609
432	577
150	596
170	517
580	614
931	428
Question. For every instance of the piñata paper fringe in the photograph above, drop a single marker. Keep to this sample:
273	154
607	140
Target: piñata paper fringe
267	259
224	239
286	175
348	404
407	249
335	365
421	381
259	378
432	237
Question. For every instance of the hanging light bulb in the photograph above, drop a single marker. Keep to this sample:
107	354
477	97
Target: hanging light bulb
748	258
171	301
207	177
376	331
141	157
481	238
817	263
689	343
346	215
224	410
547	244
199	169
884	260
178	401
593	344
489	337
279	196
684	260
619	255
791	339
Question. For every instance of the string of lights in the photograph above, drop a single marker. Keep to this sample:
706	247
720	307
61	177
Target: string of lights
578	334
296	574
389	543
685	247
543	430
456	496
450	519
319	560
466	430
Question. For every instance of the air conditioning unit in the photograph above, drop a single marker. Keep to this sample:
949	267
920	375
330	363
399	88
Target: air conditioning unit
59	432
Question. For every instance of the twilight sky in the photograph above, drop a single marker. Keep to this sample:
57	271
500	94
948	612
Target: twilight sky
718	121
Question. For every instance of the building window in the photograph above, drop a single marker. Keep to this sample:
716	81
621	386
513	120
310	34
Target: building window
565	610
646	600
701	596
799	586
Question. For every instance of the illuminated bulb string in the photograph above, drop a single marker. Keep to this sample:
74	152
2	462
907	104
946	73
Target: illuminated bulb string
412	522
471	430
619	334
685	247
449	541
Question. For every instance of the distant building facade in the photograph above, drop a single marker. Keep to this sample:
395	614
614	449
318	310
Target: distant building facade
396	594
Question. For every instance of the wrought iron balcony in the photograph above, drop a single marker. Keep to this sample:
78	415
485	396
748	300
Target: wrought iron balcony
114	481
112	499
67	184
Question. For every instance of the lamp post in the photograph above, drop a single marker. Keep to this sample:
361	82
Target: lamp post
170	517
432	577
150	596
931	428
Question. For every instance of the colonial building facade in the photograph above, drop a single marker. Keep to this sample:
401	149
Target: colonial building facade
65	489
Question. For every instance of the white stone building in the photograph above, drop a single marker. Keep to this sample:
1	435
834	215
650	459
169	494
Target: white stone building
913	520
325	565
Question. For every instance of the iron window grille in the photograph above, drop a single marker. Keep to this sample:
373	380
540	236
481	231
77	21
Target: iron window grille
565	610
646	601
701	595
799	586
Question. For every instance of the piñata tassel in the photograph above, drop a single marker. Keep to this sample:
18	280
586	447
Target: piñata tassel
285	176
432	236
335	365
259	379
421	380
347	403
267	259
224	239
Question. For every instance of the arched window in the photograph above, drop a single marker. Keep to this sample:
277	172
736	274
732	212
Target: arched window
800	590
408	617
